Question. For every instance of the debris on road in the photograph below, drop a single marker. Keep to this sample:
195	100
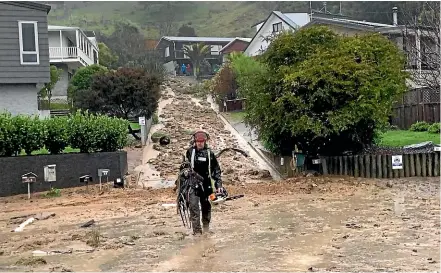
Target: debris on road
25	223
88	224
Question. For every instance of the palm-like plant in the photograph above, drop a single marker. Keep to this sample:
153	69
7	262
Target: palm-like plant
196	53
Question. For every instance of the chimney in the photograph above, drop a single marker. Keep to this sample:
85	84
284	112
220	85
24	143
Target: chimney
395	16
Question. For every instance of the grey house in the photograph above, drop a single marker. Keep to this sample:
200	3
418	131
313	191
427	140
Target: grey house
24	55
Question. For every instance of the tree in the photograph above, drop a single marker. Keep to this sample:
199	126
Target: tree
82	79
186	31
421	22
124	93
46	91
107	57
197	54
325	93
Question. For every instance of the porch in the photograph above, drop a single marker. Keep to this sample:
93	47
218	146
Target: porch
71	45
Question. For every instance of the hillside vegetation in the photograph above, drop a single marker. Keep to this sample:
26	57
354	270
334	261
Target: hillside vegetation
223	19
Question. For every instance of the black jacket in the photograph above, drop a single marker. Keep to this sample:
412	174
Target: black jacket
201	167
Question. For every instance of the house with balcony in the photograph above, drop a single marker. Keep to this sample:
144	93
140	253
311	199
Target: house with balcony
24	55
172	51
69	49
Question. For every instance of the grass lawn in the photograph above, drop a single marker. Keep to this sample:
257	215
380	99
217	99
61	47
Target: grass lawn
135	126
234	116
399	138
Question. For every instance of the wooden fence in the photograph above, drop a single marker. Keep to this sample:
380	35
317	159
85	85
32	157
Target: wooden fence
380	166
368	166
417	105
232	105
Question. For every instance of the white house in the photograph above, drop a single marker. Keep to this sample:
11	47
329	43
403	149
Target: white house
275	23
69	49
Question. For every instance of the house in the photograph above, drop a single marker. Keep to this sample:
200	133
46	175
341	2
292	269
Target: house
237	45
69	49
408	40
274	24
24	55
172	50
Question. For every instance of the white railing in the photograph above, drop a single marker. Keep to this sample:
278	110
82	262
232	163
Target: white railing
67	53
63	52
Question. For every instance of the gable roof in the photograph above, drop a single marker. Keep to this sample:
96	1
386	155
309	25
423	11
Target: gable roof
30	5
246	40
288	18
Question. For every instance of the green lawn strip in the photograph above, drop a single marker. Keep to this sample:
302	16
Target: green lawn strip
235	116
399	138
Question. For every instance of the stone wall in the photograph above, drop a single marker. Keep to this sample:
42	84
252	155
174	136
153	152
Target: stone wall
69	167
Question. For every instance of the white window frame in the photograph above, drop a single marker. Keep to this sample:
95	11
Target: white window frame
20	38
167	52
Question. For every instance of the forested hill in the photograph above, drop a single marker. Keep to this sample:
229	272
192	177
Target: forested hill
223	19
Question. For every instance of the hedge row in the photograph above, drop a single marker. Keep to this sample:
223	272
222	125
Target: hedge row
84	131
422	126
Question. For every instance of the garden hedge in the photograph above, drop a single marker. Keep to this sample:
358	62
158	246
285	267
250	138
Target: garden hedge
82	130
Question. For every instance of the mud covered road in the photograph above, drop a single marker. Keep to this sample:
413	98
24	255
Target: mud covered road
315	223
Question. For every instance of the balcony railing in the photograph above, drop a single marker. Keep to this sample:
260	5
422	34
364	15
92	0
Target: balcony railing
69	53
63	52
179	54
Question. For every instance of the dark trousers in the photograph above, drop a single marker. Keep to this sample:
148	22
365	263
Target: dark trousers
195	213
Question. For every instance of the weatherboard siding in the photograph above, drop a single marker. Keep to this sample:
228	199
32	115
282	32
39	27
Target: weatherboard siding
11	71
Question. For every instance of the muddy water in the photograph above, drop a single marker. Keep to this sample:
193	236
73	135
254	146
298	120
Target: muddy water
337	227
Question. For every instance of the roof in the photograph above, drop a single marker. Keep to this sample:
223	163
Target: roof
30	5
85	33
246	40
293	19
350	23
196	39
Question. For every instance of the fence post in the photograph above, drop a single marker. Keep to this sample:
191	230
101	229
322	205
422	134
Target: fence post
389	166
417	165
429	164
436	164
362	167
412	165
406	165
384	165
345	164
323	160
367	160
373	166
351	165
424	165
340	165
356	169
379	167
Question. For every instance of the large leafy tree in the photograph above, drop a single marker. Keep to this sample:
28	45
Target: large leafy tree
107	57
197	54
82	79
124	93
325	93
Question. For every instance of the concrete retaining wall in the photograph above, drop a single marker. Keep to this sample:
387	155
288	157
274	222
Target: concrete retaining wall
69	167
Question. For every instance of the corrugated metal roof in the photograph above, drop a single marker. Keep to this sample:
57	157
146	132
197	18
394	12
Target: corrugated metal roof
197	39
237	38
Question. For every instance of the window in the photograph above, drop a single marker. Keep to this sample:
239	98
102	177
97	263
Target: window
167	51
28	37
277	27
215	49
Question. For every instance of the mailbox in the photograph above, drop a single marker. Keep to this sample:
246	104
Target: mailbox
50	174
85	179
103	172
29	178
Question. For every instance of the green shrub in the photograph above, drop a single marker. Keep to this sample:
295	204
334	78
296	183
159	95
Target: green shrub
110	133
155	118
29	132
82	131
8	142
57	134
435	128
419	126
